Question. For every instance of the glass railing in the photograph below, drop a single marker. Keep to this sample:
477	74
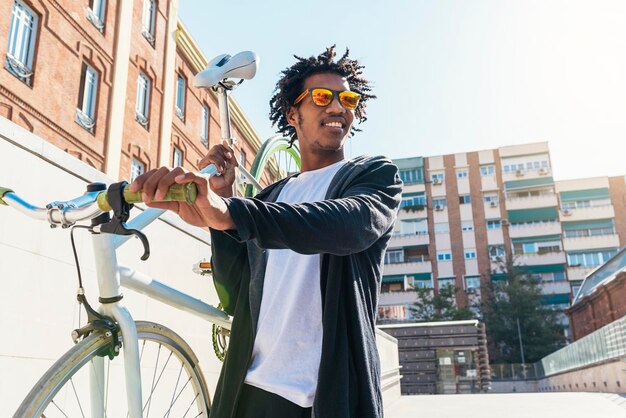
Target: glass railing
609	342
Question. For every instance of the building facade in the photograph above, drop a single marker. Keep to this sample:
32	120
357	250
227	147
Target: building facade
110	83
462	213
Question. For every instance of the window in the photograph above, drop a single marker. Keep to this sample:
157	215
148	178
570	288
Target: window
444	256
492	198
137	168
22	37
413	175
147	22
95	13
413	227
590	259
181	86
494	224
423	284
465	199
177	160
589	231
470	254
442	227
487	170
242	158
86	111
472	282
537	247
496	251
446	282
142	107
413	201
394	256
204	126
467	225
437	178
440	203
585	203
461	173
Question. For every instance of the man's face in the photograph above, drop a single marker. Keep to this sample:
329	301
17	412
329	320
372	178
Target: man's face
316	126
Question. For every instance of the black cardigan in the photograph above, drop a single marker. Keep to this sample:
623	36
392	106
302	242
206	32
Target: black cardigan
351	230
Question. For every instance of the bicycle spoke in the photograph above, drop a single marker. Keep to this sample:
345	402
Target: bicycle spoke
180	371
179	393
159	378
152	385
170	390
191	404
77	400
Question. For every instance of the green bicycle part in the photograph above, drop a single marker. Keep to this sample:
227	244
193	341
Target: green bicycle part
186	192
3	191
270	147
218	348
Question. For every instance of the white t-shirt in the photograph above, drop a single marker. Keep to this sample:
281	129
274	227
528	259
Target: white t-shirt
288	344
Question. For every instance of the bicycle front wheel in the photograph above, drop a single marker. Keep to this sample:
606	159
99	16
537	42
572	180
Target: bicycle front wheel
172	382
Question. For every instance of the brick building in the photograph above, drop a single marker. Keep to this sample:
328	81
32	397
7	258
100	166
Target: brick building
110	83
462	212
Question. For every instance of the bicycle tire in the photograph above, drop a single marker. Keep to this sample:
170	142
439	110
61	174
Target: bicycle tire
269	155
40	400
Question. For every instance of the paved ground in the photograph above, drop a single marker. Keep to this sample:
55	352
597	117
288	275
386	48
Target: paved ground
510	405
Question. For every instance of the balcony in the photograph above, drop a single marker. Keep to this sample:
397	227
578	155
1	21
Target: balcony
534	230
397	298
551	288
405	240
495	236
578	273
584	214
488	183
411	212
595	242
532	202
440	214
540	259
492	212
527	174
409	267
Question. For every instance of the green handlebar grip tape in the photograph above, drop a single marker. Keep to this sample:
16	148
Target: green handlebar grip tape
177	193
3	191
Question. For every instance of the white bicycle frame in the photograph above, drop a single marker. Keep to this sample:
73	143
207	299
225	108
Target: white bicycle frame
111	277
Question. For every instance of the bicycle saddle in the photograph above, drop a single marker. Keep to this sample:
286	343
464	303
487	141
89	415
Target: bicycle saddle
243	65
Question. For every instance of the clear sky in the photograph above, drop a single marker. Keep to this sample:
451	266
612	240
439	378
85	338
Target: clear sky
450	76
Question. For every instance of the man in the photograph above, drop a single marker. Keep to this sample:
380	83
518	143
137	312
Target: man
299	266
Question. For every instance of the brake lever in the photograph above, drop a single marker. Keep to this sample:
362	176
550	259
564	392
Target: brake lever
121	213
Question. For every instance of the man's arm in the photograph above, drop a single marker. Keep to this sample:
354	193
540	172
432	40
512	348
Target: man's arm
336	226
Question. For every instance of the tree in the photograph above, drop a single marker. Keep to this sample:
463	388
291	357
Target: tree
439	306
517	297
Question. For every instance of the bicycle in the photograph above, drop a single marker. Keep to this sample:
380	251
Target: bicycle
111	332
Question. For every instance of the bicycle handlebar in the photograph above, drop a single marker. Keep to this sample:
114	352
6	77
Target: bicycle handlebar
92	204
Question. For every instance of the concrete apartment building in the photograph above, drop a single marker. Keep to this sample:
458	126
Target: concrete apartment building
461	212
110	83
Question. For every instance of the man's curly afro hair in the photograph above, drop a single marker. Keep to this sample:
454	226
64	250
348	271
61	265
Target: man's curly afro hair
292	84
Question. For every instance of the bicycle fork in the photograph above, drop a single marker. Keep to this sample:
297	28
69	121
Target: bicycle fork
110	296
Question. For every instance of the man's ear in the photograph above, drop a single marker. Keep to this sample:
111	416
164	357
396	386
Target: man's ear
292	116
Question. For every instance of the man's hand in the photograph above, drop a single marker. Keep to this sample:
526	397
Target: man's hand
223	158
209	209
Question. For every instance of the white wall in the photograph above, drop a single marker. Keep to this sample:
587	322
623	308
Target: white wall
38	307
